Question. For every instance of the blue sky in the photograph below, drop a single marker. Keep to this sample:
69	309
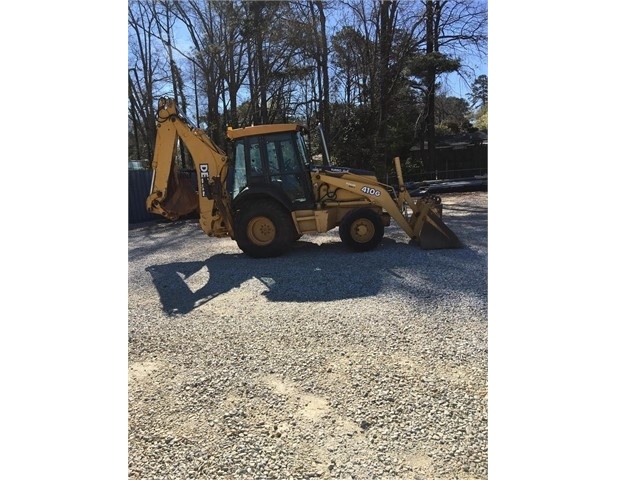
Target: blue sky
457	86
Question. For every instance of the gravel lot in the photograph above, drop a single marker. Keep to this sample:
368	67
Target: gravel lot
318	364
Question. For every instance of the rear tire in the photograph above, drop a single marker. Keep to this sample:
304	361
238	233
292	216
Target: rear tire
263	229
361	229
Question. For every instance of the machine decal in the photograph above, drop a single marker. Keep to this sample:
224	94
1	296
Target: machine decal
371	191
204	177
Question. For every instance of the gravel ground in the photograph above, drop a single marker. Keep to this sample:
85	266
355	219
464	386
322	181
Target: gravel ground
318	364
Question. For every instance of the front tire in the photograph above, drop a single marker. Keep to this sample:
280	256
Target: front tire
263	229
361	230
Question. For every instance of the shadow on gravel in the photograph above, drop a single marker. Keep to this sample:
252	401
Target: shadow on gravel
172	233
321	273
308	273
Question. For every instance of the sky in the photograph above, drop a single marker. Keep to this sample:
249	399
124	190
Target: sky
562	251
457	86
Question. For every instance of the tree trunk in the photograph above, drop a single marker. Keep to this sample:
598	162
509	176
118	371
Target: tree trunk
387	16
322	74
430	84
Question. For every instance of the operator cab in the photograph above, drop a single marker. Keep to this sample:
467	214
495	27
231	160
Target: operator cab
271	160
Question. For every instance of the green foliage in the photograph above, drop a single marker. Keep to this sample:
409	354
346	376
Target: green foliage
420	64
453	112
411	168
481	120
443	129
354	142
351	139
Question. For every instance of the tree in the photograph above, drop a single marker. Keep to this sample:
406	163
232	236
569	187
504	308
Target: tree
372	81
348	47
201	23
425	67
481	119
479	97
479	92
453	113
147	74
371	52
233	50
322	63
453	28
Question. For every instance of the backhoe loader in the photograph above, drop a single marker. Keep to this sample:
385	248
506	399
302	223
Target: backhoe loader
269	193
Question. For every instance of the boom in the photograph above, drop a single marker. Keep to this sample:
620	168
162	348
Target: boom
173	196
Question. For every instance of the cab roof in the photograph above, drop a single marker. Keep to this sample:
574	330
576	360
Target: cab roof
235	133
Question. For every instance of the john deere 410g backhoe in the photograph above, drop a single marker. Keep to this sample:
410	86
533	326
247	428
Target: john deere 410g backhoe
270	194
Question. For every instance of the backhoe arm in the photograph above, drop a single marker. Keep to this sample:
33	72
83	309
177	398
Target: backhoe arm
172	196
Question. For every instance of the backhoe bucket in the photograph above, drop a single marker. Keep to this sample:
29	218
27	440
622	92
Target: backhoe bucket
181	196
435	234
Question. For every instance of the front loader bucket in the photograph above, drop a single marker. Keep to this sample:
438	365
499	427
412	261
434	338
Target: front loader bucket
435	234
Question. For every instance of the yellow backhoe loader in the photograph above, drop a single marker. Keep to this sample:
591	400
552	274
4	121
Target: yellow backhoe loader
270	194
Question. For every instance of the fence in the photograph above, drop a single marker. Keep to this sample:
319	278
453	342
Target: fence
139	189
452	163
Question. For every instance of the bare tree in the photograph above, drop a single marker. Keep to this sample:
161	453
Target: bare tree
233	68
147	73
319	49
202	24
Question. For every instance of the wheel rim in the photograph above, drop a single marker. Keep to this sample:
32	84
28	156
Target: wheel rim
362	230
261	231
